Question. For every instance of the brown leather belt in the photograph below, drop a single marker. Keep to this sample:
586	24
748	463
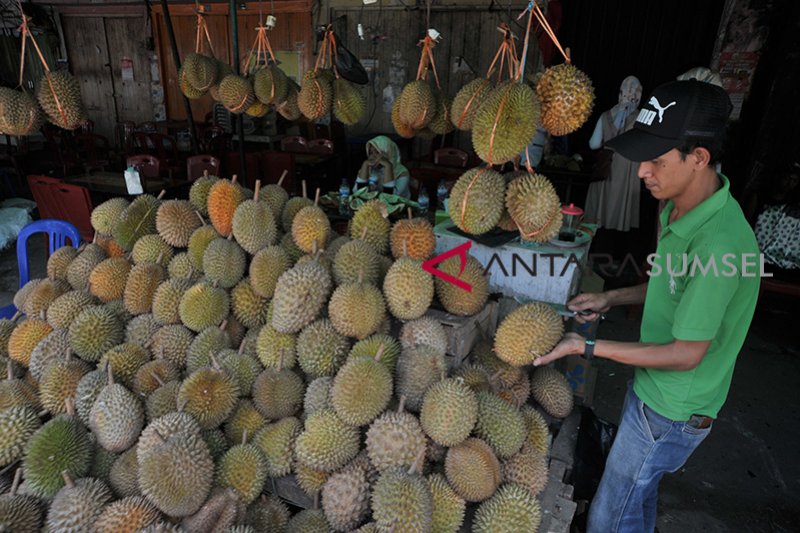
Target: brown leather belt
700	422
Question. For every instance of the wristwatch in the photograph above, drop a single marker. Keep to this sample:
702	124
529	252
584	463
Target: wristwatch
588	349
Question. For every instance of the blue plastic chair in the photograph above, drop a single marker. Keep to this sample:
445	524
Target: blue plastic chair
58	232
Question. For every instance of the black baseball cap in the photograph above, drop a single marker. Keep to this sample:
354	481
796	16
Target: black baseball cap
677	112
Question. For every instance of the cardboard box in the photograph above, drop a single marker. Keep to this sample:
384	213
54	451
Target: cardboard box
463	332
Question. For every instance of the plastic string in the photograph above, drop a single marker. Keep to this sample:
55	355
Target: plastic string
466	193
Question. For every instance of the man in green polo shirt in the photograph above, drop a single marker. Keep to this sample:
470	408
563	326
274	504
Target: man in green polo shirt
698	303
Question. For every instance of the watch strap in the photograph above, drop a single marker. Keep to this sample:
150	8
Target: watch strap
588	349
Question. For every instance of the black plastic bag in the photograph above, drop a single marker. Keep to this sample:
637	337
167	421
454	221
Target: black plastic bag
595	438
348	66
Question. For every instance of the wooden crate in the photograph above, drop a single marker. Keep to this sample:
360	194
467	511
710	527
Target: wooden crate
463	332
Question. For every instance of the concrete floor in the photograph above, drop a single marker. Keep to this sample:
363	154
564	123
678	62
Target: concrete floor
746	474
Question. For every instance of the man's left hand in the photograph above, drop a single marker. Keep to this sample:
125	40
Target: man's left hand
572	343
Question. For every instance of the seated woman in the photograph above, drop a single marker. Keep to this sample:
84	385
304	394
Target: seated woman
383	162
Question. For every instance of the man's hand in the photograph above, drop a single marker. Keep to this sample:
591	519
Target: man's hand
596	301
572	343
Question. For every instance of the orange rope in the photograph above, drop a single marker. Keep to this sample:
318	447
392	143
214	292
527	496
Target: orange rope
537	232
466	108
466	193
497	121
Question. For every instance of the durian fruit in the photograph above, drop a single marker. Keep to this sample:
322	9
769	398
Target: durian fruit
19	113
456	300
275	196
152	249
212	339
538	434
117	307
176	220
6	327
109	245
218	513
449	412
180	266
42	295
349	106
310	479
370	346
311	228
247	306
107	280
467	102
502	374
500	424
59	94
510	510
424	330
567	97
171	343
167	298
17	392
93	332
151	374
274	348
326	443
62	444
124	475
354	258
403	130
372	217
198	193
244	469
476	200
266	267
22	294
528	332
58	262
417	105
472	469
408	289
22	513
276	441
81	267
104	216
528	469
395	439
128	514
270	85
551	390
224	197
357	309
162	401
292	251
292	207
417	370
157	431
315	96
416	234
60	381
300	295
210	395
448	506
441	124
143	280
534	207
361	390
254	225
78	504
203	306
198	242
278	393
402	501
17	425
308	521
236	94
318	395
290	108
141	328
24	339
517	393
345	496
66	307
224	262
505	123
268	514
116	418
200	71
321	350
188	90
137	220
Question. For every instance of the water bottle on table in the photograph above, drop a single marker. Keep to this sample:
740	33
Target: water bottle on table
423	201
441	194
344	197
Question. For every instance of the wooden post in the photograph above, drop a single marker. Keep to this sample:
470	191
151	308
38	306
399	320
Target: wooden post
237	68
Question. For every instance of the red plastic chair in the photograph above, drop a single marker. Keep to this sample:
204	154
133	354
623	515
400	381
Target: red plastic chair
321	146
272	166
450	157
233	166
149	166
294	143
40	189
196	164
75	204
141	143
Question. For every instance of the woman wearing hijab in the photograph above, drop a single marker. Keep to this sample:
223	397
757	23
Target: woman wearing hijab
383	161
613	203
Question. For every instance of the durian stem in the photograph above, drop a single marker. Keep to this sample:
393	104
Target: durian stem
410	216
67	479
234	178
16	316
16	482
214	362
316	197
69	404
10	369
379	354
242	345
363	233
417	466
402	403
244	436
157	378
305	195
283	177
405	247
224	324
360	276
162	194
258	189
110	376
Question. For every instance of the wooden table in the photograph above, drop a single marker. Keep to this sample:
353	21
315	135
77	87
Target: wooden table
113	183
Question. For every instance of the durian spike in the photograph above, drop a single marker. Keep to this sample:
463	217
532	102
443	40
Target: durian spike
69	404
379	354
161	194
258	189
244	436
305	195
157	378
202	220
410	216
283	177
67	480
316	197
110	376
234	178
418	462
402	403
15	483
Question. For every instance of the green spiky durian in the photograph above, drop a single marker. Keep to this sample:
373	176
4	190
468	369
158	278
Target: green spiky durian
59	94
402	500
355	258
78	504
500	424
349	106
176	220
247	306
210	395
321	350
510	510
417	369
345	496
417	104
58	262
171	343
19	113
528	332
116	417
300	295
290	108
315	96
138	219
534	207
51	348
198	194
124	475
224	262
60	381
276	441
162	401
265	268
449	412
167	299
128	514
456	300
361	390
408	289
505	123
370	223
66	307
244	469
310	228
107	280
538	435
203	306
180	266
81	267
236	93
472	469
370	346
326	443
357	309
448	506
270	85
467	102
254	224
141	285
476	200
200	71
552	391
93	332
394	439
278	393
17	425
567	98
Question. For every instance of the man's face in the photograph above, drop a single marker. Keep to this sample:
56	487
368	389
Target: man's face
666	176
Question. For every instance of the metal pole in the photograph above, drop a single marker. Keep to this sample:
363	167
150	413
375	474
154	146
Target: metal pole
177	59
236	67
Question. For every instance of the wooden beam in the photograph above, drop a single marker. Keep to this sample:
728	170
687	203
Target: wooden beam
108	10
281	6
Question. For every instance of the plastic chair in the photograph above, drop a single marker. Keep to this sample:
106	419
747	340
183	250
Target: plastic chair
93	150
450	157
43	196
196	164
294	143
149	166
76	207
321	146
272	166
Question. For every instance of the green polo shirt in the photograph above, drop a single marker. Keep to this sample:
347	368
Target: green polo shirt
699	290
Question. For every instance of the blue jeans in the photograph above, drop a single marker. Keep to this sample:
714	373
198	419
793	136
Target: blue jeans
647	446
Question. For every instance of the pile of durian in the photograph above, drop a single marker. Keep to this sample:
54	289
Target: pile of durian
165	374
58	98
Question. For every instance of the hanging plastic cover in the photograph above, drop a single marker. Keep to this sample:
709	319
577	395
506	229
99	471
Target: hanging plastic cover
348	65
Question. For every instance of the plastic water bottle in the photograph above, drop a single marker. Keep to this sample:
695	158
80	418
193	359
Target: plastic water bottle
344	197
441	194
373	181
423	201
